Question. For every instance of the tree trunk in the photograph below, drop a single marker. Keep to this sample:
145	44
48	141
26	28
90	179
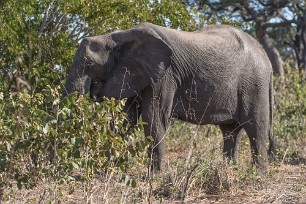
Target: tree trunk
299	44
272	52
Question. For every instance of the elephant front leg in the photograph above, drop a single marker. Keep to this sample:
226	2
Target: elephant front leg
157	120
156	109
156	151
156	113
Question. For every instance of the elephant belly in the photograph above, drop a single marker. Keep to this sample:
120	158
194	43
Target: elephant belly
221	109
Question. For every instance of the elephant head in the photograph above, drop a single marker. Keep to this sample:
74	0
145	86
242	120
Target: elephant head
118	64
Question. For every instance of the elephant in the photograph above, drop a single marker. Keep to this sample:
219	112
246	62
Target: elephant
216	75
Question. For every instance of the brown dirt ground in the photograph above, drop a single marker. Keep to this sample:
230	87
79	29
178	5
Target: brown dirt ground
287	186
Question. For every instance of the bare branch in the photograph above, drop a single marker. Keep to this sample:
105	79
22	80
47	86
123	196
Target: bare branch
248	9
45	19
285	23
265	4
281	15
244	15
299	7
59	22
281	24
20	82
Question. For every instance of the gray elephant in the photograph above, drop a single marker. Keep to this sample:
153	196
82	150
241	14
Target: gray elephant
217	75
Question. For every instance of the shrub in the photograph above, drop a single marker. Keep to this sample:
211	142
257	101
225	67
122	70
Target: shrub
289	114
45	138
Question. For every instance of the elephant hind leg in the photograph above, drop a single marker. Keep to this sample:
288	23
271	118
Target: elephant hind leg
258	136
231	137
272	150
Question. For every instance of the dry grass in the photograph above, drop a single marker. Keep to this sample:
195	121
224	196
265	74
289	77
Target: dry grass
196	173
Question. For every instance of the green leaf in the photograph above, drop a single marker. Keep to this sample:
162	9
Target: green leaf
65	103
134	184
77	154
19	185
75	165
46	128
3	161
79	141
150	138
56	102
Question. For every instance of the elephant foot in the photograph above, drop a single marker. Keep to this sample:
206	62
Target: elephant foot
261	164
263	169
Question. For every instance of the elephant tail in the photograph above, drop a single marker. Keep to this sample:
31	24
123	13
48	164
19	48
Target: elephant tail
272	150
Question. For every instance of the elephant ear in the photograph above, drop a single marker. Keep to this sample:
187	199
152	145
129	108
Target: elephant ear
142	58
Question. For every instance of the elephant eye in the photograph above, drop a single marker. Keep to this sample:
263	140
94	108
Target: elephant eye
94	47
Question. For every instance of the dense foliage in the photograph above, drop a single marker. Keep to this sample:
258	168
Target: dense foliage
39	145
290	116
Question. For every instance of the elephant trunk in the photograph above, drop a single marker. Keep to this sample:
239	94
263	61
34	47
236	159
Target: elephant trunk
77	81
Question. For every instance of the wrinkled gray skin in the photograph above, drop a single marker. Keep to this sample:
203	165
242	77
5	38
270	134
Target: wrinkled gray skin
217	75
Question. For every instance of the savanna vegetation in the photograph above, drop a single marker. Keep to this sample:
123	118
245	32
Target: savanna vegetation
55	150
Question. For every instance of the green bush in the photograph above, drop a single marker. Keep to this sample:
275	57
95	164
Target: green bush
45	138
289	113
